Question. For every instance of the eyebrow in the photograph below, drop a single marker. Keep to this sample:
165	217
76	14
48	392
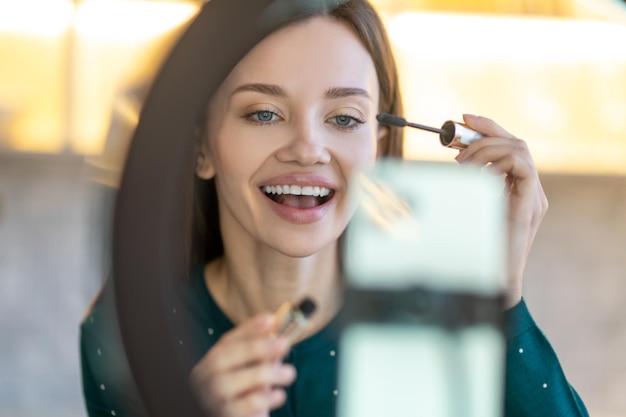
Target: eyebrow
269	89
277	91
341	92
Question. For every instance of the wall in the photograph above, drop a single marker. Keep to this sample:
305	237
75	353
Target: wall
576	285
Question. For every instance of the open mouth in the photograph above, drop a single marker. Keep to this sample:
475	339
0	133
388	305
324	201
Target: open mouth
298	197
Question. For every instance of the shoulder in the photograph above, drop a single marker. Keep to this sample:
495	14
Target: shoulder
99	329
108	385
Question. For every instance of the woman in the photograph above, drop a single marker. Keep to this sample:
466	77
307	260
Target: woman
283	134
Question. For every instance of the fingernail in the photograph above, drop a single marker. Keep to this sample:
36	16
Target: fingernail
281	344
288	371
266	320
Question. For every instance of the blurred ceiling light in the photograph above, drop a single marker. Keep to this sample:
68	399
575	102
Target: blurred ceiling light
558	83
32	73
130	21
610	10
69	60
476	37
119	46
36	17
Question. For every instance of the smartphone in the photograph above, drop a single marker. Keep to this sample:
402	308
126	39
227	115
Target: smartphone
424	260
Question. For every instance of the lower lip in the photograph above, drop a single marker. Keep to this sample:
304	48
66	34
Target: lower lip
299	216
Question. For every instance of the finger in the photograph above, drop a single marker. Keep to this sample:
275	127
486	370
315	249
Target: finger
517	169
232	346
275	374
277	398
257	403
261	324
486	126
510	157
227	387
513	145
243	352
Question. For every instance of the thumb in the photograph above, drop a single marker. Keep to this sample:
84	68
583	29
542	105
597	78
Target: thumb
486	126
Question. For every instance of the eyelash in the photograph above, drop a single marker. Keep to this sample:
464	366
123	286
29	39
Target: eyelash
357	121
250	117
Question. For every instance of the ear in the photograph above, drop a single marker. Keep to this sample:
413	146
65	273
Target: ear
204	166
382	132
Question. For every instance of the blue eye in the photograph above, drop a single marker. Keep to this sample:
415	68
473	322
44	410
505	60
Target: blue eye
262	117
265	116
346	122
343	120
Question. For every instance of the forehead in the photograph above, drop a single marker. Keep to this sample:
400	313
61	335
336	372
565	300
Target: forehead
322	51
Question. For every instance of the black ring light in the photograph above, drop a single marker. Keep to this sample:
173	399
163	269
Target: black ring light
147	253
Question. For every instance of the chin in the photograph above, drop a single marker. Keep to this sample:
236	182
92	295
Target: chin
307	247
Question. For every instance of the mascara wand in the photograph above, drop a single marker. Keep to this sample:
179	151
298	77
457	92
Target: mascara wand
451	135
391	120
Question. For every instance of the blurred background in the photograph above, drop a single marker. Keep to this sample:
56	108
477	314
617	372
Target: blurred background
73	75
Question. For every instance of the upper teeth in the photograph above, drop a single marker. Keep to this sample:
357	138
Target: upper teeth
297	190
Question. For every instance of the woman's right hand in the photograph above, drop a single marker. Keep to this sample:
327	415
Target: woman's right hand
242	375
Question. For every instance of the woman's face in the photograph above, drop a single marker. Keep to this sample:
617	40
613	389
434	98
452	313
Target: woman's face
286	130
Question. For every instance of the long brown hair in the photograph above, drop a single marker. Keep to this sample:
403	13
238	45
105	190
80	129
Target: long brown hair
206	239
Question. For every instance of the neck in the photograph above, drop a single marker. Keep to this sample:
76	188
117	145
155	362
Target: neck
245	284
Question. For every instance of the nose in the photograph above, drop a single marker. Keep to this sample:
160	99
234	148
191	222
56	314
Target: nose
306	147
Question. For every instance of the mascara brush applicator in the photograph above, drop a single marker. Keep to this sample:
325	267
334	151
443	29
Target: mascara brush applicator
451	134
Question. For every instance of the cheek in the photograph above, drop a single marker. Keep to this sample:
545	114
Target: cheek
236	168
363	154
238	153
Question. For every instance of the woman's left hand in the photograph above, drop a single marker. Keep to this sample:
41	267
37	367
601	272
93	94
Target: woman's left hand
527	203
